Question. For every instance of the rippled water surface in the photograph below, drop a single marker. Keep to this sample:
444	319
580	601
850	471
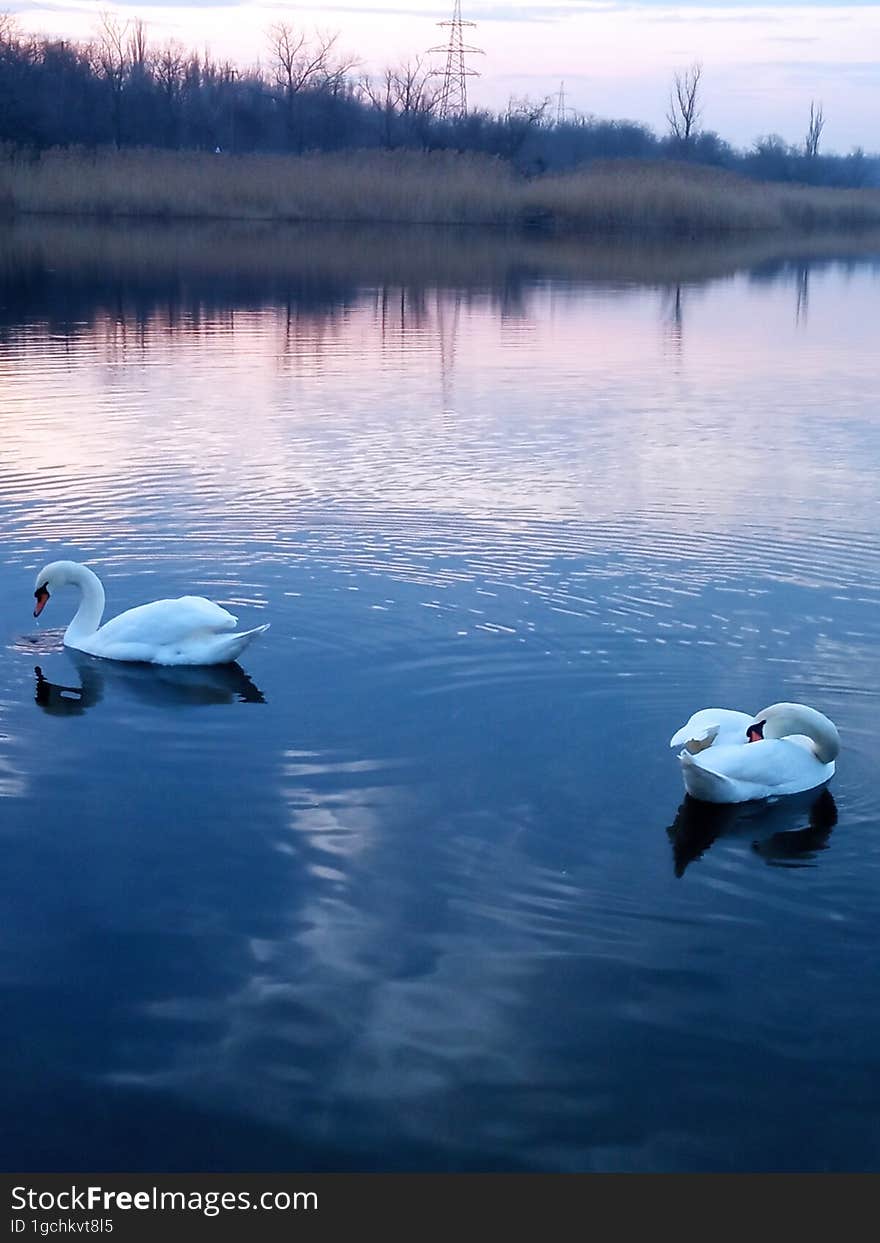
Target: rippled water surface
414	887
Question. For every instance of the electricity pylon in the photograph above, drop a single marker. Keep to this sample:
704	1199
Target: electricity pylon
560	105
453	93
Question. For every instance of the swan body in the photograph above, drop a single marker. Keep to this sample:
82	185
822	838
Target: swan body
187	631
786	749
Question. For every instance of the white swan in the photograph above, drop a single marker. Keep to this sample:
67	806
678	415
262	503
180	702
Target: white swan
786	749
187	631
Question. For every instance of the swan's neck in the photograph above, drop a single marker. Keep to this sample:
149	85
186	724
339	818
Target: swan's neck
784	720
826	746
91	606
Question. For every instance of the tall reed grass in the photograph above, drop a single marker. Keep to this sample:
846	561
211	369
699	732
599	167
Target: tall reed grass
421	188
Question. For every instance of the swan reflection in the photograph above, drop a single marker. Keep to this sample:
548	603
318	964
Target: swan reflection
59	700
185	685
774	826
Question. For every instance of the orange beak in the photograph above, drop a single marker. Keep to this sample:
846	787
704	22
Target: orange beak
41	597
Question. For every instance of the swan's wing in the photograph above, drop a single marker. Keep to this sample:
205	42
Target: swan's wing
772	766
167	621
712	726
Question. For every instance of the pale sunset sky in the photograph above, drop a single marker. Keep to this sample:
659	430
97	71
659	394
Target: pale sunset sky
762	62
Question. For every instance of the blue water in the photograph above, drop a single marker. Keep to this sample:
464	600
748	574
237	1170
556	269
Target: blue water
415	886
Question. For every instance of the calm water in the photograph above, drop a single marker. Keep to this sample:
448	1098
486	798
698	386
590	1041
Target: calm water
414	887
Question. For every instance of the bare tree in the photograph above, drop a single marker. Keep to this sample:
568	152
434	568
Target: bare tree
110	56
685	105
522	117
8	30
415	94
814	131
168	67
137	46
338	71
530	112
299	65
405	97
380	95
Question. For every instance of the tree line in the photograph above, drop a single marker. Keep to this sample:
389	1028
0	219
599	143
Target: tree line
121	89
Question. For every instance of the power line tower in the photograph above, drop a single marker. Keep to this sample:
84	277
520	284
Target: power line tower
560	105
453	92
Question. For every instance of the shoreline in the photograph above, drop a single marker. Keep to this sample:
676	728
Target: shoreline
620	199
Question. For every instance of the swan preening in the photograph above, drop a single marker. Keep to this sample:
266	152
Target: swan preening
187	631
731	757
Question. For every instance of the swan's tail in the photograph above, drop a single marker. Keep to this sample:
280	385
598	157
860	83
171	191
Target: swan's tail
230	646
218	649
703	783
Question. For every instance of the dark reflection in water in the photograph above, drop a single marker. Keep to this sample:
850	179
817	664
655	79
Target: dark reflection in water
189	685
60	700
697	825
799	847
71	274
515	509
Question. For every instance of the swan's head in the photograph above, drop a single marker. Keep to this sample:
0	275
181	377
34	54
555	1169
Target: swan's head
52	577
784	720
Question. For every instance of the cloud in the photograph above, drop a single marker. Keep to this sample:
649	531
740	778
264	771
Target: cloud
137	7
476	12
857	71
31	6
551	12
532	11
95	10
765	7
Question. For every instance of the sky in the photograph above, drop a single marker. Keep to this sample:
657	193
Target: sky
763	63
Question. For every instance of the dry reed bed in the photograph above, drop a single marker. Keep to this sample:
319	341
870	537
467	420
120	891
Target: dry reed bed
422	188
442	189
680	200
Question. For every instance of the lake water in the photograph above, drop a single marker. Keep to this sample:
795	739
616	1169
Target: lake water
415	887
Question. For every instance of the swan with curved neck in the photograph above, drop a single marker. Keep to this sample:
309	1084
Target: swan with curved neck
188	631
786	749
